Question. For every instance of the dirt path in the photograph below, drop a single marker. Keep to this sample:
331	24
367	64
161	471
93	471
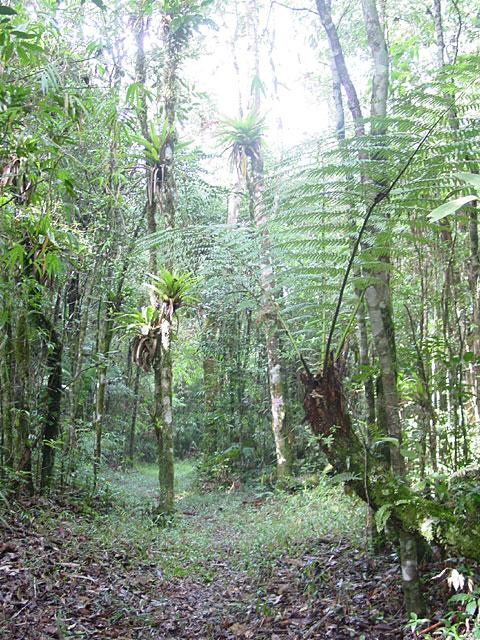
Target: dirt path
232	566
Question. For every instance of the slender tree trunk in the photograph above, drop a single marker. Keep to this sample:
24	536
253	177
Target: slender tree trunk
473	263
165	426
255	185
79	329
364	358
364	361
53	405
23	446
210	438
378	298
8	403
283	455
377	295
105	337
161	190
104	342
130	449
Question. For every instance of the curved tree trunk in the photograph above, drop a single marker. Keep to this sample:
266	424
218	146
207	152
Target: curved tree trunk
378	295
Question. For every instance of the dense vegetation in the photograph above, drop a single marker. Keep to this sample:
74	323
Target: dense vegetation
292	302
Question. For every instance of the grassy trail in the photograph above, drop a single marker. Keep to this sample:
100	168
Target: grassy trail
248	564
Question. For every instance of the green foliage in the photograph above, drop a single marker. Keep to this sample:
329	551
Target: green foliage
460	622
243	139
174	288
453	206
169	288
318	202
222	467
182	18
461	495
154	146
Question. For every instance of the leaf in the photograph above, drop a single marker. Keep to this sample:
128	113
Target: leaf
344	477
392	441
450	207
471	178
456	580
382	516
99	4
23	35
471	607
7	11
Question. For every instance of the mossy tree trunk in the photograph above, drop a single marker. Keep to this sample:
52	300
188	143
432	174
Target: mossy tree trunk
77	328
164	426
161	195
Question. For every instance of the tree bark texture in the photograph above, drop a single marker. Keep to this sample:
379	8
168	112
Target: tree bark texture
275	376
164	426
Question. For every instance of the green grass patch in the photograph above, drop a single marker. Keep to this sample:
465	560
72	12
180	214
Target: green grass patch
244	530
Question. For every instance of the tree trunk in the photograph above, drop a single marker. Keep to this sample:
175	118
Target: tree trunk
51	428
282	450
378	294
161	189
23	450
104	341
130	449
8	403
79	330
164	426
210	439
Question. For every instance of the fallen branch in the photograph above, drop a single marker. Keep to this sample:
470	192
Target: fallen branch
432	627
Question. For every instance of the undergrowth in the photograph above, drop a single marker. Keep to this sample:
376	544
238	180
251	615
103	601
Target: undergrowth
250	528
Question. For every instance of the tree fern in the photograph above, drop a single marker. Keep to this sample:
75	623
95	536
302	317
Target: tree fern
318	200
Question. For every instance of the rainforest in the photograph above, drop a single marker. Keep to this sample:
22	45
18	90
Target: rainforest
239	319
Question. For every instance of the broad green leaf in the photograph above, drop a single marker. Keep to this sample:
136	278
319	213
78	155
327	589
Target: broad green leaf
471	607
35	48
23	55
382	515
7	52
23	35
7	11
471	178
344	477
450	207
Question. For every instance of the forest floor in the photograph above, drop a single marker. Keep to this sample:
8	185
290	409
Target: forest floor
245	564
